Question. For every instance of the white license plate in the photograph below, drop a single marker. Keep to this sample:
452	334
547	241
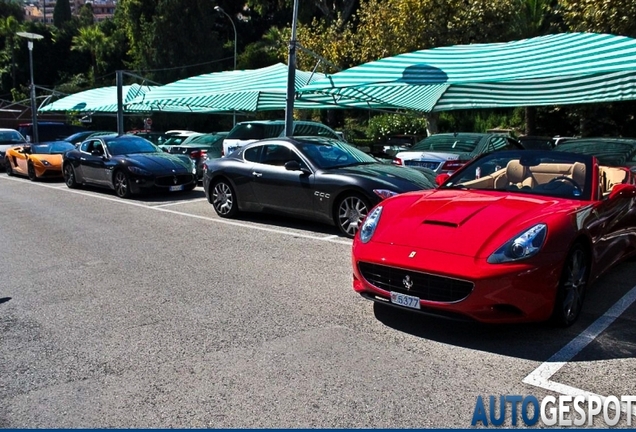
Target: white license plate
176	188
405	300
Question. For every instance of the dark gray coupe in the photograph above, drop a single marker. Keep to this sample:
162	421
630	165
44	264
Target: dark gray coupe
309	177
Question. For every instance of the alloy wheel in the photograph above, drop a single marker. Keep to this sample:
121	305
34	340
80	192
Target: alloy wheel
574	285
122	188
222	199
351	213
31	172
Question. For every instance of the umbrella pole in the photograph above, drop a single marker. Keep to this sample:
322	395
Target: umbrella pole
291	76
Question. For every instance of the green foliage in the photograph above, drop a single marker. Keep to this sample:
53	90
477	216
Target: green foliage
482	120
11	8
62	13
384	125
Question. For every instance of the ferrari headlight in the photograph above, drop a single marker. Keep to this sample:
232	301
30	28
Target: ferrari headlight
384	193
523	246
139	171
369	225
45	162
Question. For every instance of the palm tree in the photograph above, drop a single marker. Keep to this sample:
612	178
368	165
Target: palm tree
9	26
92	40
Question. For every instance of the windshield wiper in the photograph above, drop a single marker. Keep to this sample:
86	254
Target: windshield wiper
456	186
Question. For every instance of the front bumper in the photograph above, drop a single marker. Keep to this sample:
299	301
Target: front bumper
171	182
511	292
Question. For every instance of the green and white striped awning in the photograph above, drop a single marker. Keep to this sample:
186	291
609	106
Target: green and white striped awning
241	90
569	68
98	100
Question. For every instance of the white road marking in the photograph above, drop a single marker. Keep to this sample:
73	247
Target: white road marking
540	377
330	238
180	202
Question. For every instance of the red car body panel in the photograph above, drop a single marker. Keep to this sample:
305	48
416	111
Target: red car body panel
452	232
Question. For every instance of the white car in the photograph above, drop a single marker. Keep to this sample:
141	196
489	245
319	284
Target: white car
249	131
9	138
447	152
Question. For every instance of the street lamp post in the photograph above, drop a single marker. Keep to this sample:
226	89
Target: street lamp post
34	116
220	10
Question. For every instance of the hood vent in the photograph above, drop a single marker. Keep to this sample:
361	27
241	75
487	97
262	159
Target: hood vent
441	223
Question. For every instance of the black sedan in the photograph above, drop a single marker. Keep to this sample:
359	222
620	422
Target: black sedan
311	177
127	164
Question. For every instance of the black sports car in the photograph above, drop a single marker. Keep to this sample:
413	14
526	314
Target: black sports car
312	177
128	164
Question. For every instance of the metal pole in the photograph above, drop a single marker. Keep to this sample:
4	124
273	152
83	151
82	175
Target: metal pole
220	9
120	102
291	77
34	109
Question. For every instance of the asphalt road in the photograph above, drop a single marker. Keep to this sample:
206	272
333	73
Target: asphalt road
156	313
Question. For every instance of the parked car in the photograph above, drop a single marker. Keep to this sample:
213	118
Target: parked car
9	138
201	147
37	161
127	164
447	152
249	131
312	177
176	137
502	246
155	137
531	142
609	151
78	137
49	130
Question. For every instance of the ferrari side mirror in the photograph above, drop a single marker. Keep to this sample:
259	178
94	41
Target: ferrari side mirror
441	179
623	191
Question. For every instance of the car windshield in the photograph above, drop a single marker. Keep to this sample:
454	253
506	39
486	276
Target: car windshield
52	148
610	153
451	143
11	137
330	153
547	173
129	145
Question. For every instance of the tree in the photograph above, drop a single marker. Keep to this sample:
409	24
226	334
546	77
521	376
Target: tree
173	38
85	15
616	16
92	40
61	13
9	26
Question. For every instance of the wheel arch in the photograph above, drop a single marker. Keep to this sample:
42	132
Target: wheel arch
349	190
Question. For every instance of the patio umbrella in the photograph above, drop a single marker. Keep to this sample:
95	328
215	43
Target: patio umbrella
241	90
569	68
98	100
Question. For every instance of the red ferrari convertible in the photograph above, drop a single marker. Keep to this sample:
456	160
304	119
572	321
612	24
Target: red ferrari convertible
513	236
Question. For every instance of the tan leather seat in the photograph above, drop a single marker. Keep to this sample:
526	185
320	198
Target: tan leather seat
519	175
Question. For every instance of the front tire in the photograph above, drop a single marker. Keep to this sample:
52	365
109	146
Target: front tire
350	213
571	292
8	168
31	172
223	199
69	176
121	183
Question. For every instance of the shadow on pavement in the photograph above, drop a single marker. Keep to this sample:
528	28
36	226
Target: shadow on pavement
536	341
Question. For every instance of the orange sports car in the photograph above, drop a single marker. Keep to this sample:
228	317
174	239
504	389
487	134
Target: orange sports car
37	160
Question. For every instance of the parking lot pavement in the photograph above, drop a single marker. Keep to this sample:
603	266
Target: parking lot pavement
136	313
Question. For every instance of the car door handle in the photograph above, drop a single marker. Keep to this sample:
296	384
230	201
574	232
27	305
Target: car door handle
257	174
82	158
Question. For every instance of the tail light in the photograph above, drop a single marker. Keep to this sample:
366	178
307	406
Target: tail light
453	165
397	161
198	154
